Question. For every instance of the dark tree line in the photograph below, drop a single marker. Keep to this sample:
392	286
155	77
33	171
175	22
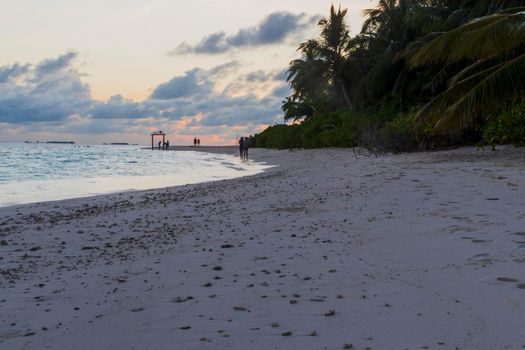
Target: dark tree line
450	63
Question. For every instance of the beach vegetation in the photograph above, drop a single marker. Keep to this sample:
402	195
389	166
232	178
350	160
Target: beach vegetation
506	127
420	74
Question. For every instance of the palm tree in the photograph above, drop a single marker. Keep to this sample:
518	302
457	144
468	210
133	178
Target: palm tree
494	49
391	28
296	110
385	22
332	47
317	77
308	80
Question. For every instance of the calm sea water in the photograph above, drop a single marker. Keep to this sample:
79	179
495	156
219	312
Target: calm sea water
43	172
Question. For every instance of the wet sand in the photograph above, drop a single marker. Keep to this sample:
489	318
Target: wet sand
413	251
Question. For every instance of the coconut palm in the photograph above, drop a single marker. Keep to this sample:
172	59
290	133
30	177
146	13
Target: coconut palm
494	49
385	22
392	27
296	110
308	79
308	75
332	48
317	77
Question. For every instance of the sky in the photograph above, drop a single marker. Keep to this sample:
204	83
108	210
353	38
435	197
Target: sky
115	70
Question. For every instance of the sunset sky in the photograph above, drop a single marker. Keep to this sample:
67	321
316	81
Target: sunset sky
114	70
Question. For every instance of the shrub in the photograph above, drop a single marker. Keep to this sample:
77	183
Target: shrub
398	135
279	136
344	128
334	129
507	127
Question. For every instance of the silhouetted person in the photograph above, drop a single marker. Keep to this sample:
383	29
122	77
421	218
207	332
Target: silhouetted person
160	142
246	146
195	142
241	147
167	144
198	142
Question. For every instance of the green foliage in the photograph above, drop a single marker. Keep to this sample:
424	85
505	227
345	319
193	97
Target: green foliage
399	135
344	128
493	50
279	136
507	127
334	129
394	132
316	77
421	74
296	111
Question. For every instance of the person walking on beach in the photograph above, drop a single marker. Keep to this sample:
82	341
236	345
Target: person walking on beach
241	147
160	143
246	146
195	142
198	142
167	144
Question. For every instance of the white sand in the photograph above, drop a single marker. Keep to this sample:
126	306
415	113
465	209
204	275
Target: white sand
417	251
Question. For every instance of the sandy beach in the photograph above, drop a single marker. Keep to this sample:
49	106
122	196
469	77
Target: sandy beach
323	251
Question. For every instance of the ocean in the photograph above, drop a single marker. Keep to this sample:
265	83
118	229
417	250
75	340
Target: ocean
39	172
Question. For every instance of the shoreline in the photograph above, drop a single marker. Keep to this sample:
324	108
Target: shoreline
104	185
416	250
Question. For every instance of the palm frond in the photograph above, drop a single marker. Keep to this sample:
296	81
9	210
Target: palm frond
441	79
512	10
475	96
486	37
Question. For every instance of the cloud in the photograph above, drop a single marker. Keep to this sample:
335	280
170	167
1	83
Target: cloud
50	91
220	108
260	75
274	29
13	71
211	44
223	69
192	82
49	97
243	111
117	107
261	83
53	65
281	74
282	91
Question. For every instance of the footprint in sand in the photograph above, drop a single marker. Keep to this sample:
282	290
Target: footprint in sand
507	279
518	254
481	241
480	260
476	240
500	280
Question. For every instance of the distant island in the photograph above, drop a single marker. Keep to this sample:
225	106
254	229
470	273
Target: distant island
62	142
